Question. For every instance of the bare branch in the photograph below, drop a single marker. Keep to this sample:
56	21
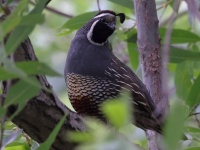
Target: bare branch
198	122
55	11
148	41
98	5
194	114
165	53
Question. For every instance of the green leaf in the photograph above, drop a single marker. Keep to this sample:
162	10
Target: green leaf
2	111
178	55
80	136
52	136
125	3
192	129
194	94
24	29
133	54
78	21
17	146
10	138
30	68
174	125
192	148
13	19
117	112
182	79
180	36
132	36
20	92
35	67
32	20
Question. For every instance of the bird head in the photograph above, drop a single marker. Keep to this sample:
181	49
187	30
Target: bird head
101	26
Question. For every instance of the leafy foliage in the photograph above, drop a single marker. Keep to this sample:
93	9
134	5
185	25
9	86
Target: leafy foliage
184	77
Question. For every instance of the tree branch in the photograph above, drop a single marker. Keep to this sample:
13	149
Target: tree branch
98	5
55	11
165	52
148	41
43	112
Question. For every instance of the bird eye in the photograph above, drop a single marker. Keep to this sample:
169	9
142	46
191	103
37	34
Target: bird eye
108	19
103	20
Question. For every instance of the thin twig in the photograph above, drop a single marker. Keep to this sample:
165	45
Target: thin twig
165	52
55	11
164	22
194	114
58	12
198	122
190	114
2	130
164	5
98	5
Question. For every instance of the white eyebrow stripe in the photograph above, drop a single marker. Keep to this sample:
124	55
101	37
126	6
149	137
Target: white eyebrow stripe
104	14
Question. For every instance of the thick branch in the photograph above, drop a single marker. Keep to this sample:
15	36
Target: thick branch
43	112
150	55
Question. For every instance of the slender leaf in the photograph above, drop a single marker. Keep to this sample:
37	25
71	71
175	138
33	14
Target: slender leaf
192	129
182	79
174	126
125	3
117	111
193	148
32	19
10	138
52	136
13	19
180	36
22	30
20	92
133	54
78	21
194	94
30	68
17	146
2	111
178	55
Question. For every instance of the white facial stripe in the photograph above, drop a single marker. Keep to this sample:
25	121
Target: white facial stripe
104	14
89	35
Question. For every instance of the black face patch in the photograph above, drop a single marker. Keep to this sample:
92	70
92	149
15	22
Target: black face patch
102	26
101	32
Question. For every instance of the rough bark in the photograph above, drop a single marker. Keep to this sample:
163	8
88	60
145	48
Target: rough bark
148	41
43	112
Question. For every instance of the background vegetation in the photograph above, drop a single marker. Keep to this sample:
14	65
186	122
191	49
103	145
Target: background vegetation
51	34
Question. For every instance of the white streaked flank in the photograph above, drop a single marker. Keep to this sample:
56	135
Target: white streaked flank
131	80
142	103
123	69
106	72
114	61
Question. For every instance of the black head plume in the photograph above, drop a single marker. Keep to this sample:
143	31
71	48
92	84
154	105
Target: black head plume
122	17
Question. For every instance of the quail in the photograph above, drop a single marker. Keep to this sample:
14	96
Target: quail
93	74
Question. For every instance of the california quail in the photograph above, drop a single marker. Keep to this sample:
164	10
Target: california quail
94	74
